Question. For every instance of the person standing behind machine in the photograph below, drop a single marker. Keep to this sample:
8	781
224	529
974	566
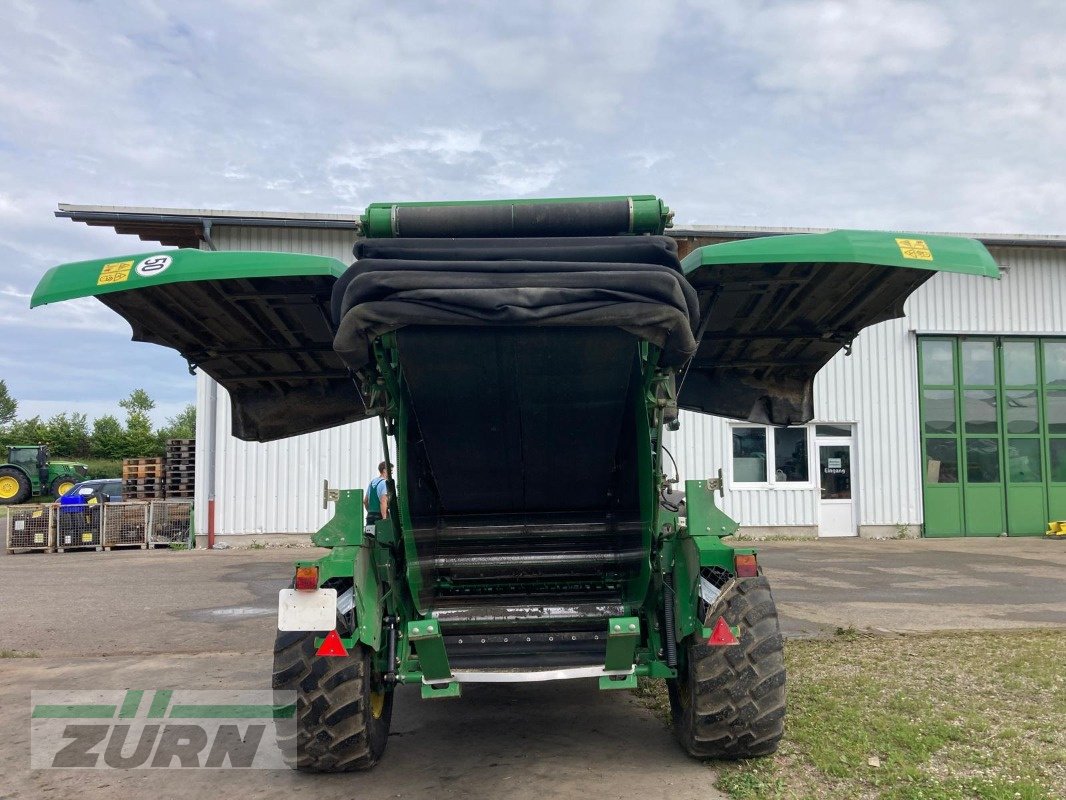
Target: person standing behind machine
376	497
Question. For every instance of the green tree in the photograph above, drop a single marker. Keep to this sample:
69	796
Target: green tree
25	431
181	426
108	439
79	427
140	440
68	435
139	400
8	406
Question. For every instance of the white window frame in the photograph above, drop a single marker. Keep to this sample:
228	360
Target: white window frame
771	458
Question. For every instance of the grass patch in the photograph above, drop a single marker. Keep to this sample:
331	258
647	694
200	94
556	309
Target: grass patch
103	467
19	654
937	717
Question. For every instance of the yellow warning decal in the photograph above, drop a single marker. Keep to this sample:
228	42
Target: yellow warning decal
915	249
115	272
86	537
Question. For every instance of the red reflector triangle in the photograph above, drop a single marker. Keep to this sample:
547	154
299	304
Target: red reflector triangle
333	646
721	633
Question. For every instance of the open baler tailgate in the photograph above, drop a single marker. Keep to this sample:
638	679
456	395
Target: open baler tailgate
258	323
282	333
775	310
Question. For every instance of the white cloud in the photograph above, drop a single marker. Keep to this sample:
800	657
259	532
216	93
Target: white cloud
833	47
86	314
873	113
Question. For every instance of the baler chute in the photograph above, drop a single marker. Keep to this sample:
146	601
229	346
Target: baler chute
524	358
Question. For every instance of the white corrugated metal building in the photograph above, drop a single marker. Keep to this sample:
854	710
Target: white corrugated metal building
886	456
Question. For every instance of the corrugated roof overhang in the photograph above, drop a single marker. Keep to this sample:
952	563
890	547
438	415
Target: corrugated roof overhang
181	227
186	227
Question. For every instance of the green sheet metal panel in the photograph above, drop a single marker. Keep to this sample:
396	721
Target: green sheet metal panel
984	510
1053	422
943	512
776	309
101	276
977	376
1025	440
1026	509
935	253
942	456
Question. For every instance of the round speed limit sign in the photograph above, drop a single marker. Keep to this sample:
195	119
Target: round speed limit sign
153	265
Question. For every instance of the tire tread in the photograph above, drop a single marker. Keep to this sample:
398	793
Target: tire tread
334	731
736	707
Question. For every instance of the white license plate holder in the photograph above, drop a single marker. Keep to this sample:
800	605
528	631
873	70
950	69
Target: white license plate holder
307	611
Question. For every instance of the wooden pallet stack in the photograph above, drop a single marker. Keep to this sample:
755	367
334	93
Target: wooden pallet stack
181	468
143	479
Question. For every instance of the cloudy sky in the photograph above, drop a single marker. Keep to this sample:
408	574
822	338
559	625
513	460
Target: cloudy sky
929	116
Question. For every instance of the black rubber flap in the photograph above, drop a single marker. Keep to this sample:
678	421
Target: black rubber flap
267	341
660	250
517	283
772	327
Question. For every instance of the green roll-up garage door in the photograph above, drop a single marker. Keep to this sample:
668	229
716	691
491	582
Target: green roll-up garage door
993	417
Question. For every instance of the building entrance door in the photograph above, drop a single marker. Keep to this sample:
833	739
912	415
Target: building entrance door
836	507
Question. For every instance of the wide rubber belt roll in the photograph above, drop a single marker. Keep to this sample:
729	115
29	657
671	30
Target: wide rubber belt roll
601	218
592	217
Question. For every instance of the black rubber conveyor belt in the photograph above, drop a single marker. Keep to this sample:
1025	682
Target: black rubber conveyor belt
632	283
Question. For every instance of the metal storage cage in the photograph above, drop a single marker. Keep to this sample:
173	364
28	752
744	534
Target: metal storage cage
125	524
78	527
170	521
30	528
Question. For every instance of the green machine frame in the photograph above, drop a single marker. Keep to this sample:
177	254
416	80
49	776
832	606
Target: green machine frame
678	548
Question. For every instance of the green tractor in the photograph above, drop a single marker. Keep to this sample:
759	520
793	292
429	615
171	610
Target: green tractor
526	361
29	472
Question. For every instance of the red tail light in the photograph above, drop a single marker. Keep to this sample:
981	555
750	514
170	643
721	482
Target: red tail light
746	565
306	579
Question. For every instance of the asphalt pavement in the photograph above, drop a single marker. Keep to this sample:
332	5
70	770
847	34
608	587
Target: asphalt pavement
153	619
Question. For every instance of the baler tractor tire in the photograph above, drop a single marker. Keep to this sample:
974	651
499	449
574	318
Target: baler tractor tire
62	485
342	721
728	702
15	487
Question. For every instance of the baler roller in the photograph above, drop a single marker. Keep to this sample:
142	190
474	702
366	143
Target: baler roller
486	558
570	216
458	532
512	565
